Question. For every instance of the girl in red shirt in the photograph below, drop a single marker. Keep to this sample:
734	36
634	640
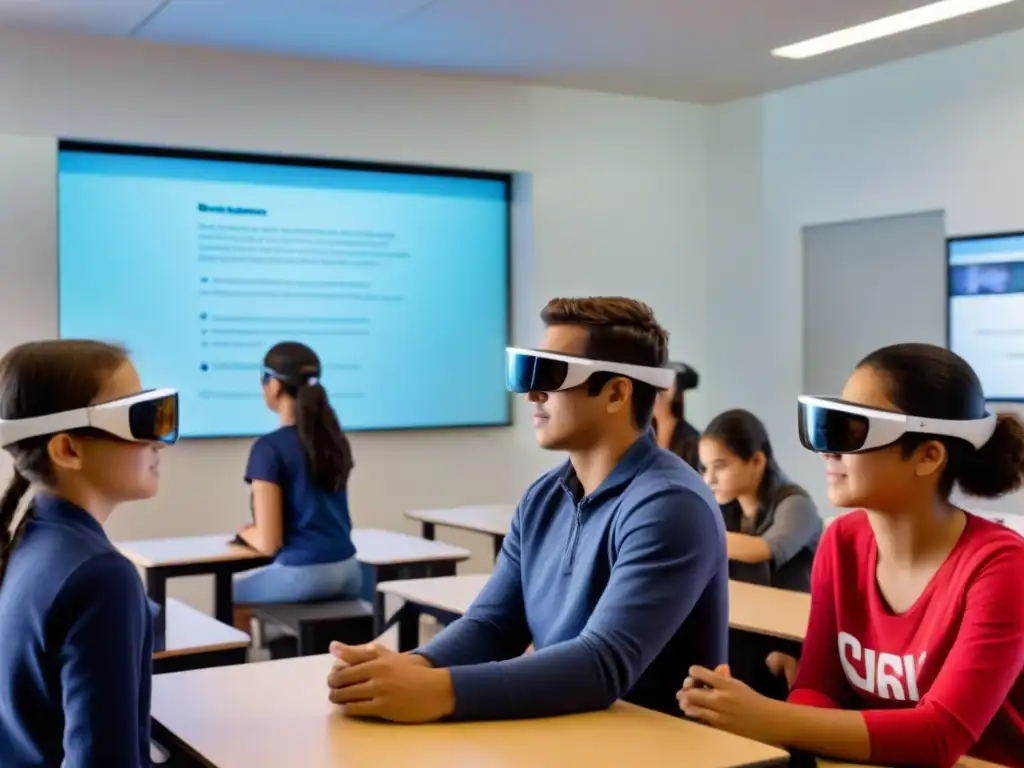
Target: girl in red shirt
914	653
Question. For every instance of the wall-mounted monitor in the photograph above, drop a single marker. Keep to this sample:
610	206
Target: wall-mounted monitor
985	320
398	277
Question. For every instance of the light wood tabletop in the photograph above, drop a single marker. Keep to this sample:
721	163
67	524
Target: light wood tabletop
768	611
493	519
447	593
377	547
188	631
187	550
277	713
373	547
764	610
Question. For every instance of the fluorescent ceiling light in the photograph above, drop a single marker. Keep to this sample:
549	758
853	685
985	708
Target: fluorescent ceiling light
890	25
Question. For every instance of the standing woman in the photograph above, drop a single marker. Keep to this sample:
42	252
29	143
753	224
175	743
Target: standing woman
914	652
76	634
299	476
671	429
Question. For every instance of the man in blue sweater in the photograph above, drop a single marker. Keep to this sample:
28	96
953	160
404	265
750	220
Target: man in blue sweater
614	566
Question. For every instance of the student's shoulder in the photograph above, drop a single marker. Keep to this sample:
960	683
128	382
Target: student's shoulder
108	579
278	440
108	569
986	544
669	494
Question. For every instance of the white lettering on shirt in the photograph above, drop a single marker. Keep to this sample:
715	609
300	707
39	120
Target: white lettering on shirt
884	673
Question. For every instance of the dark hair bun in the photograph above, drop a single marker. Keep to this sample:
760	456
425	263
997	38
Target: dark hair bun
997	467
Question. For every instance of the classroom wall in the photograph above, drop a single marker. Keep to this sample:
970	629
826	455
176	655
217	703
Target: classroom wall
616	186
938	132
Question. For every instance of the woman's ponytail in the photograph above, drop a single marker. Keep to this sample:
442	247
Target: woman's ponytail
997	467
9	503
323	440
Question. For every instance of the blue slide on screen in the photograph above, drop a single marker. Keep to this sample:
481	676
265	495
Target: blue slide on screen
199	265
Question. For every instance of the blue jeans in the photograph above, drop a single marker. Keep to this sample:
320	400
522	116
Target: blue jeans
276	583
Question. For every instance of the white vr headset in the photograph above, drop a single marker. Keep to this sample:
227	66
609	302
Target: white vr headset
536	370
147	416
830	425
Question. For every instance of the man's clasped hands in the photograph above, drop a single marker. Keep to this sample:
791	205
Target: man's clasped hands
374	681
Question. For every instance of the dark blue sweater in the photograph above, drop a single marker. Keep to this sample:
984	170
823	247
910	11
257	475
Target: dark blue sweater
619	591
76	644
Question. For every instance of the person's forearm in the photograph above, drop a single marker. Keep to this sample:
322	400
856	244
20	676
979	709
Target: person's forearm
471	641
255	538
747	549
564	679
828	732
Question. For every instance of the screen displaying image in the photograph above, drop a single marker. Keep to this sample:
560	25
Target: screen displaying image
986	310
199	263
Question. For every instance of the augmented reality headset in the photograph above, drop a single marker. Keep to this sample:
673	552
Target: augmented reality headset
830	425
148	416
535	370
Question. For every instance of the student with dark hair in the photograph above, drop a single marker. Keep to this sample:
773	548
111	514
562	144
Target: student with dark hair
772	525
614	566
772	532
77	634
671	428
914	652
299	478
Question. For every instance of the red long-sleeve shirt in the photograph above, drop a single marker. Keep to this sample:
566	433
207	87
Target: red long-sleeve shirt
943	679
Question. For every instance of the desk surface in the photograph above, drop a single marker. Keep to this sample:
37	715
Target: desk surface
768	611
189	631
277	713
156	553
494	519
373	547
448	593
376	547
763	610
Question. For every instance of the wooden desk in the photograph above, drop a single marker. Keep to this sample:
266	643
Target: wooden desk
491	519
385	555
388	555
769	611
163	559
277	713
762	610
192	640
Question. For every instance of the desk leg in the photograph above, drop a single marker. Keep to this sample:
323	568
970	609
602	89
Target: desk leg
408	627
224	598
156	590
499	542
428	531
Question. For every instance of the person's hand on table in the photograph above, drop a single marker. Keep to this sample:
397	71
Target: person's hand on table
374	681
719	700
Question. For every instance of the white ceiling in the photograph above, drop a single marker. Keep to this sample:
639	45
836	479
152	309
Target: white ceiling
692	50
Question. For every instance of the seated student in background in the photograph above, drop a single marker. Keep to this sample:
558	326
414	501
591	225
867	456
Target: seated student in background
299	476
915	649
76	635
672	430
772	527
614	565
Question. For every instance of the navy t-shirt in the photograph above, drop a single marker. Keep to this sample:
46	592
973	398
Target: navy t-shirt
317	525
76	645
